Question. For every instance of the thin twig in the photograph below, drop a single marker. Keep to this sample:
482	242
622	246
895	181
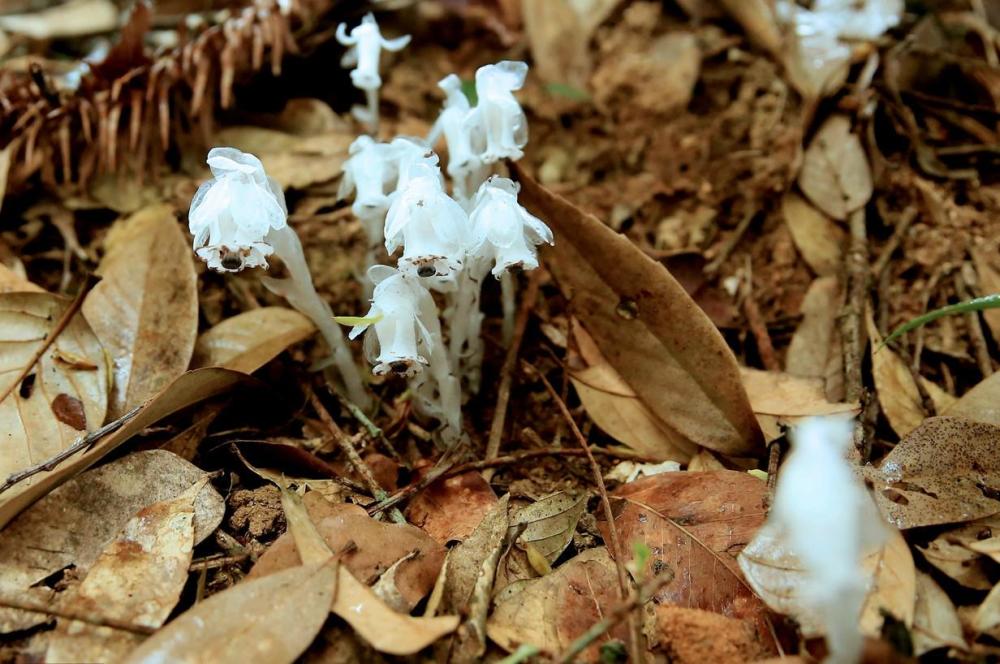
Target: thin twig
773	459
635	652
81	443
214	562
850	322
352	455
976	336
507	371
902	226
757	325
730	244
54	333
640	596
23	603
374	432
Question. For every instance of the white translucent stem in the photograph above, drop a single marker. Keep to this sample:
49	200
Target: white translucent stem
298	289
372	97
448	401
508	297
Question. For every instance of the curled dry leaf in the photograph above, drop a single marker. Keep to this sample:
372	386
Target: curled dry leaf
13	282
48	538
145	309
964	565
249	340
551	612
816	236
835	174
188	389
694	524
614	406
366	547
548	524
268	620
55	403
777	576
656	337
137	579
450	509
935	620
945	471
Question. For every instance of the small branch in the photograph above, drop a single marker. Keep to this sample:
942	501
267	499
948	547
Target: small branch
54	333
23	603
82	443
851	320
757	325
352	455
507	371
635	651
215	562
730	244
902	226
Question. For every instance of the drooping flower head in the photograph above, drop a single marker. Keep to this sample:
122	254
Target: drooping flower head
369	169
498	111
503	231
366	44
407	152
462	132
232	213
396	335
430	226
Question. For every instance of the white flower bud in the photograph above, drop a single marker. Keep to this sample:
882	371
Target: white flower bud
463	135
366	44
232	213
503	231
431	227
367	171
498	112
397	335
405	153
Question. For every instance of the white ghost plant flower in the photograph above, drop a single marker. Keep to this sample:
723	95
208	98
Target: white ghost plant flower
232	213
503	232
430	226
365	44
498	112
238	219
406	153
823	515
464	136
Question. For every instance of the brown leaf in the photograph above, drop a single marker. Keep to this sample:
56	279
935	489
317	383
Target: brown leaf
693	636
68	19
548	524
695	524
266	620
935	620
48	537
945	471
835	175
190	388
450	509
145	309
894	586
11	281
981	403
35	416
785	395
558	43
249	340
815	350
964	565
987	264
818	239
137	579
295	162
757	18
647	327
552	611
367	548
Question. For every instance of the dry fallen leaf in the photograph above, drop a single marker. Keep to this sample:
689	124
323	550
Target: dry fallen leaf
935	620
988	272
962	564
835	175
249	340
13	282
693	636
558	42
694	524
68	19
137	579
145	309
614	406
548	524
552	611
785	395
981	403
815	350
295	162
647	327
450	509
48	537
944	471
269	620
188	389
817	237
55	403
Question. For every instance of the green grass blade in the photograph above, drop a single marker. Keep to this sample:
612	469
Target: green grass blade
975	304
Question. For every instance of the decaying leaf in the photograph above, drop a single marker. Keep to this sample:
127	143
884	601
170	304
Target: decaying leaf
14	282
816	236
647	327
137	579
48	537
69	19
694	524
450	509
190	388
248	341
145	309
981	403
693	636
835	175
552	611
945	471
961	563
785	395
815	350
558	42
618	411
268	620
893	587
367	548
935	620
548	524
293	161
34	414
